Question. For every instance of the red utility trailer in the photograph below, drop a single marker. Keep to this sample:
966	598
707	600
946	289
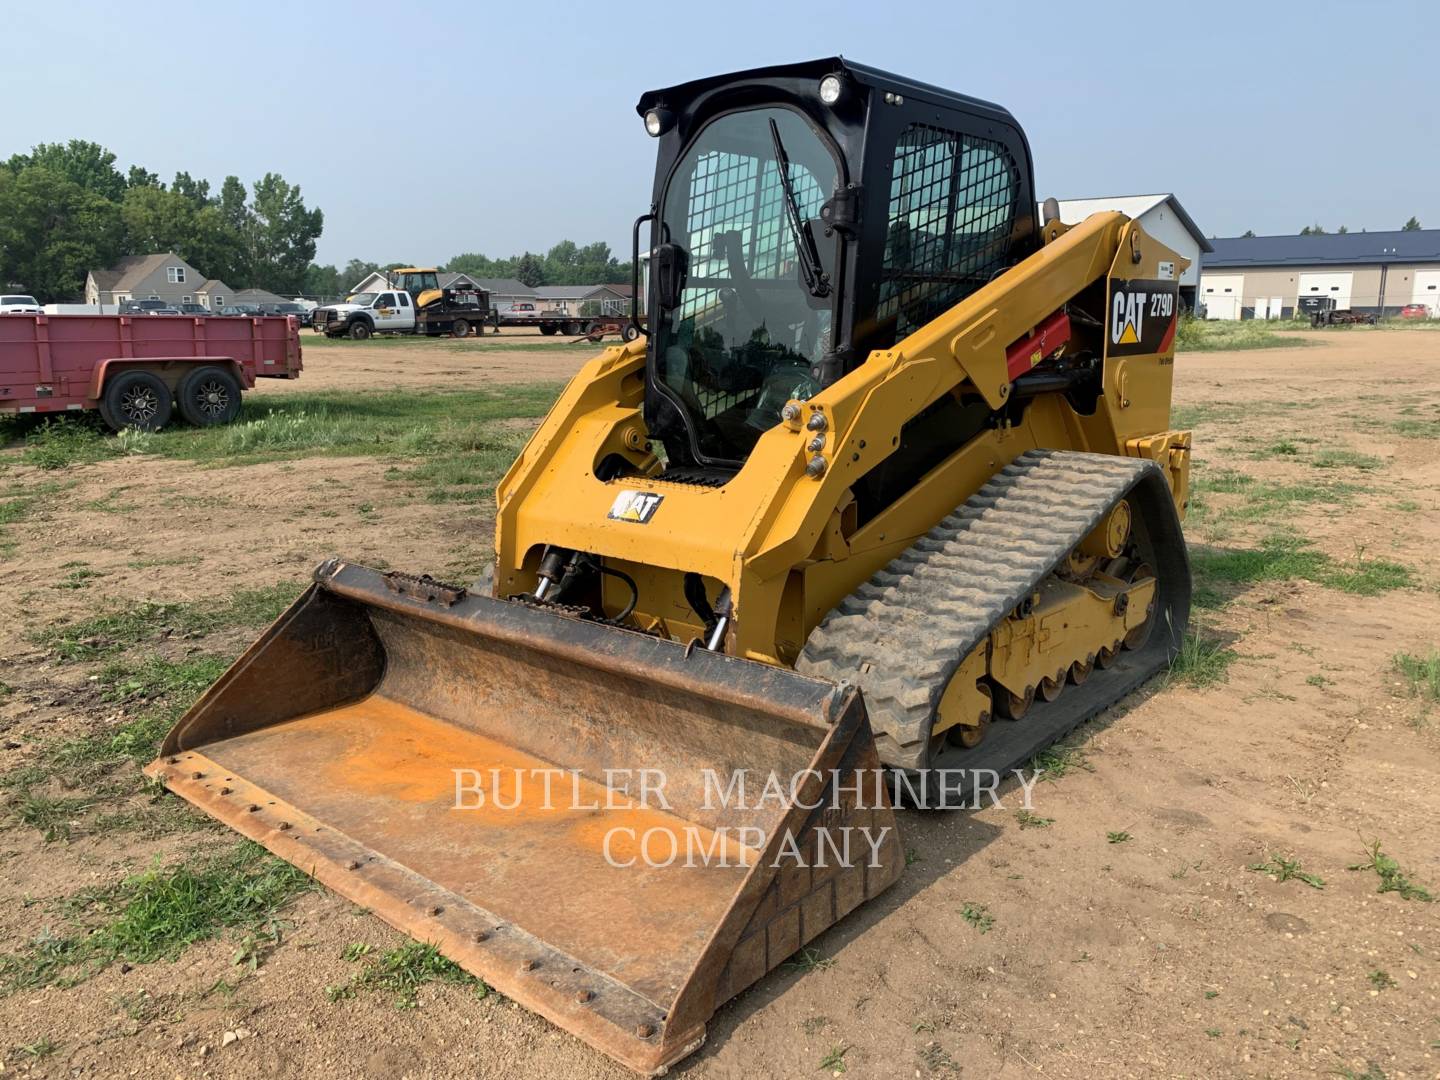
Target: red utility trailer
137	370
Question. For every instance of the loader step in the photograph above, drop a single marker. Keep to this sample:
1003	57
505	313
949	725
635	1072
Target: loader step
901	635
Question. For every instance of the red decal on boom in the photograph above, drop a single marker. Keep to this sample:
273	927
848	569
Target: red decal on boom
1031	349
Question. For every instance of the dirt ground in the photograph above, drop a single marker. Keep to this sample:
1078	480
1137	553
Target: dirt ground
516	354
1006	951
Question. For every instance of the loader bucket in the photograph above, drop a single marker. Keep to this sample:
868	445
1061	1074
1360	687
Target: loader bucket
392	737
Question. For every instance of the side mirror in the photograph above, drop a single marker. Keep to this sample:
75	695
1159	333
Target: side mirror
670	267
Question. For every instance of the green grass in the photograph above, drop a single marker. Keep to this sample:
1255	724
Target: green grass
1282	869
74	786
401	973
156	915
1345	459
1421	674
400	424
121	628
1283	556
1392	877
1200	335
1263	499
1203	660
66	441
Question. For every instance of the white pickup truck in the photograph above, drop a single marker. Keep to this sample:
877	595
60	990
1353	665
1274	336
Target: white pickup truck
393	312
20	304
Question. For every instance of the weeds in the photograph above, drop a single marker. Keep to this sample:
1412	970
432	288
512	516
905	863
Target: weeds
40	1048
1382	980
1282	869
978	916
1027	820
66	441
110	632
1421	674
1201	335
1392	877
156	916
1118	838
835	1059
1345	459
402	972
280	426
1059	760
1203	659
810	960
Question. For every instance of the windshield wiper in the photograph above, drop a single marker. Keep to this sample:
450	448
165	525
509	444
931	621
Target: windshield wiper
817	282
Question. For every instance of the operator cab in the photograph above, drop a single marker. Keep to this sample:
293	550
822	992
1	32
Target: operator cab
418	283
802	216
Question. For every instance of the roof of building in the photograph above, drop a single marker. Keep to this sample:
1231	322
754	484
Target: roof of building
256	296
1368	248
1073	211
577	292
447	280
132	269
504	286
210	285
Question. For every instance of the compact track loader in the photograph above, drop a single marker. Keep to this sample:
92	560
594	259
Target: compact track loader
886	497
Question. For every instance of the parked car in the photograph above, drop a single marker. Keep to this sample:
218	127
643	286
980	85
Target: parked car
20	304
146	307
247	311
194	309
1409	311
299	311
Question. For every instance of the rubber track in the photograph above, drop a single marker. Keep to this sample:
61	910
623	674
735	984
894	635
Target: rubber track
900	635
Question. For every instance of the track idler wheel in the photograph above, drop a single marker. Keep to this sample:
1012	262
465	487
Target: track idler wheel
1080	671
1050	688
1106	656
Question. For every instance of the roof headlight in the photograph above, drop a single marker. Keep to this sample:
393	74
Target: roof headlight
658	121
831	89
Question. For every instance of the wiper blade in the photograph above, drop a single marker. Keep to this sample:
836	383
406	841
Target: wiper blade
817	282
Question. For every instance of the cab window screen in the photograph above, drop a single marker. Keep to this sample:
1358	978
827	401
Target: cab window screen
953	200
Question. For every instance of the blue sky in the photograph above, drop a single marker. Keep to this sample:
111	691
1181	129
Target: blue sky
504	127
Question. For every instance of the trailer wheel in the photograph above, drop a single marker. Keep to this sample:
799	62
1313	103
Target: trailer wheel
360	330
631	332
547	329
572	329
460	328
137	399
209	396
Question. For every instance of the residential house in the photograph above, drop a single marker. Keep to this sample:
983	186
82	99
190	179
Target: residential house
164	276
585	299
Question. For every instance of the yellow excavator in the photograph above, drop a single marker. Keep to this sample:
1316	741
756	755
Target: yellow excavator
884	501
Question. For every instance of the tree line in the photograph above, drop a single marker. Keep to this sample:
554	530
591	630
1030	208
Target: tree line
1413	225
567	263
66	209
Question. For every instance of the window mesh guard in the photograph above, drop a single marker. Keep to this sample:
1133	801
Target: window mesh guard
952	206
737	194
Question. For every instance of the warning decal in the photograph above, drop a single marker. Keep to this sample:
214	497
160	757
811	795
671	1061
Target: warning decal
1142	317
